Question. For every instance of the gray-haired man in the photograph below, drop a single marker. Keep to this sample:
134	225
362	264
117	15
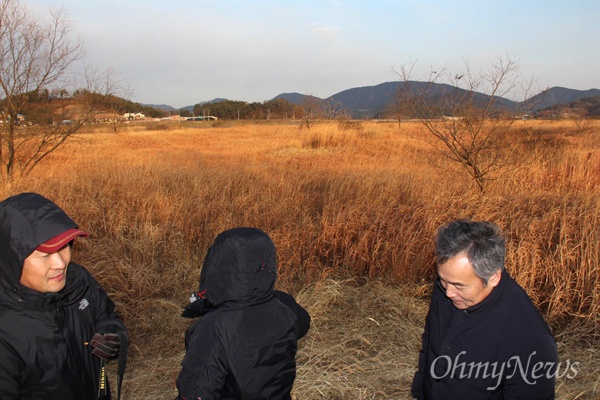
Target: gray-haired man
483	337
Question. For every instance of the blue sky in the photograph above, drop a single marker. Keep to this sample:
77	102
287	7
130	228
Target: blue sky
183	52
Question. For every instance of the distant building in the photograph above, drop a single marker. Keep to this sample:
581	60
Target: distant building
202	118
134	116
4	119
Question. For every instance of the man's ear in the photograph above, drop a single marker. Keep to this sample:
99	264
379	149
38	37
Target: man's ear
494	280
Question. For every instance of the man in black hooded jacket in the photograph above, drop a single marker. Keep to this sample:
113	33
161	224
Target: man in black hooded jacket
244	346
57	325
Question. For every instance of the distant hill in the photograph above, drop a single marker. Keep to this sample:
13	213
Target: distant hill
368	101
585	107
560	95
296	98
372	101
166	107
160	107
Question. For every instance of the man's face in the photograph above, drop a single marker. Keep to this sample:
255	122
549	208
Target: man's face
461	283
46	272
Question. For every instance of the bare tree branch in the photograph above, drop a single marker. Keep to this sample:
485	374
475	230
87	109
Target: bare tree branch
466	113
38	60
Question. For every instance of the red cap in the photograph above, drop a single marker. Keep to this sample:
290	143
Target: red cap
59	241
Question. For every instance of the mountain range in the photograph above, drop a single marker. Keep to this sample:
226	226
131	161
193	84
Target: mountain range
371	101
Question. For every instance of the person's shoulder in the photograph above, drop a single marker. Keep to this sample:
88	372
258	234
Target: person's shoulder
523	314
81	282
288	301
218	323
300	314
78	269
517	297
13	318
284	297
8	313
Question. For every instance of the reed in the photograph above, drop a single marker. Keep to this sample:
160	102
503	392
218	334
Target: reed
347	206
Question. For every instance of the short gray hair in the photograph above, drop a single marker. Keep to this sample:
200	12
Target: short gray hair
481	241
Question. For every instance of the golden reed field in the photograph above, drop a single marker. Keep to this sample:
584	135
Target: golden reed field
352	212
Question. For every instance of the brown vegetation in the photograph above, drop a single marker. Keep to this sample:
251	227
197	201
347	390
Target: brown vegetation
352	211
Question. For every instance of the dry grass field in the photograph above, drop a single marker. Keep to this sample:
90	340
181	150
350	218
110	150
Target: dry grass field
352	212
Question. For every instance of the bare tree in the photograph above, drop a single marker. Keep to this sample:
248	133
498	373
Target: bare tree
311	111
468	114
315	109
398	109
38	60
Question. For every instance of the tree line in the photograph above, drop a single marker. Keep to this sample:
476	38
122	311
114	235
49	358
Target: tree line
232	110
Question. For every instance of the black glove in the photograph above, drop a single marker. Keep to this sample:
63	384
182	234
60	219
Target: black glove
106	345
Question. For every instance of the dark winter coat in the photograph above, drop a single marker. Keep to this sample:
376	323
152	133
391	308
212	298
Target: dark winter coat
43	336
492	350
244	346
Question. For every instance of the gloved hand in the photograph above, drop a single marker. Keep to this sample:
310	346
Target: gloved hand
106	345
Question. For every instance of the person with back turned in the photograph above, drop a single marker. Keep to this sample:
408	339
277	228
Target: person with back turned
483	337
58	327
244	345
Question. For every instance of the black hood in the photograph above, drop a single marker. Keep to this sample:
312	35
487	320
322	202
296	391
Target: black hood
239	270
26	221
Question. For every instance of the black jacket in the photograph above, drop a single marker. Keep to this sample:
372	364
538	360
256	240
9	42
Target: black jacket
244	346
500	348
43	336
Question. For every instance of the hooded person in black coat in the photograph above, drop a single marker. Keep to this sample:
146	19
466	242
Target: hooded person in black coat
244	346
483	337
57	325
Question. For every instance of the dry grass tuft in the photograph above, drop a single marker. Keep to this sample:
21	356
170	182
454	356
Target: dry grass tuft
372	353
